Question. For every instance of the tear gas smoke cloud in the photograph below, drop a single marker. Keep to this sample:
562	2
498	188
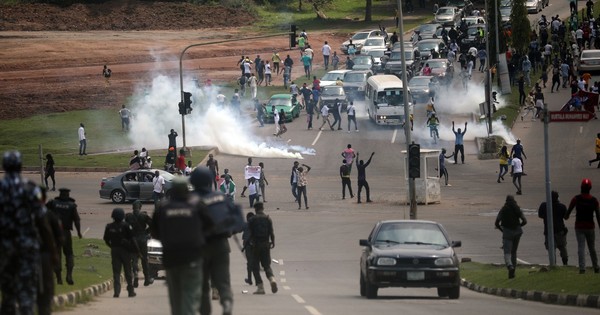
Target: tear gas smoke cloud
156	113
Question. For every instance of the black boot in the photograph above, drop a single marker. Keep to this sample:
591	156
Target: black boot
135	282
58	277
148	281
70	265
130	291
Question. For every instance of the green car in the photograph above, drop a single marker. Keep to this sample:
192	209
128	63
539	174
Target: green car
289	104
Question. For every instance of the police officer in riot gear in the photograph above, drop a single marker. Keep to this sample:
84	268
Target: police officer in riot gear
65	207
140	223
119	237
262	239
216	253
23	222
180	224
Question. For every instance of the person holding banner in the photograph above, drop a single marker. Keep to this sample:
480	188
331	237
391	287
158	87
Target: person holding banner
250	172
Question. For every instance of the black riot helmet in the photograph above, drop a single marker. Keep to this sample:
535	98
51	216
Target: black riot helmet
201	178
12	162
180	190
118	214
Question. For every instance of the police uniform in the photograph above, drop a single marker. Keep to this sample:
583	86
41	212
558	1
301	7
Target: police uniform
22	223
262	238
180	224
118	236
66	209
48	254
139	222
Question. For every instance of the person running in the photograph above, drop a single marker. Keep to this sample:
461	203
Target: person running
589	162
517	150
458	144
504	157
282	127
325	114
443	171
558	223
361	167
301	187
352	116
49	171
510	221
517	172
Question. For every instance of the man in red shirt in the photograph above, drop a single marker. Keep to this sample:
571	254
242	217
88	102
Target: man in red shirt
586	206
181	161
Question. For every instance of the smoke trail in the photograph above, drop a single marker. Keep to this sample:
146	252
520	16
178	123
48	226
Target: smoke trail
155	113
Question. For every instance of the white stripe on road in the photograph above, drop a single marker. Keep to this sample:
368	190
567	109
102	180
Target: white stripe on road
317	138
522	262
312	310
285	287
282	273
298	298
394	135
282	280
580	129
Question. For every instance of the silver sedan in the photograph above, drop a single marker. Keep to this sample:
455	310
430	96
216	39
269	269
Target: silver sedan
133	185
589	60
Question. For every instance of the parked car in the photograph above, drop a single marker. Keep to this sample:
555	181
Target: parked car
355	82
472	20
505	13
155	257
447	16
439	66
331	77
363	62
133	185
359	39
470	37
533	6
425	46
287	102
424	31
419	88
589	60
372	43
331	93
464	6
377	54
409	254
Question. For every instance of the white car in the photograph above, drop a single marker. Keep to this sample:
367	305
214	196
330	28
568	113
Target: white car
447	16
359	39
372	44
589	60
533	6
331	77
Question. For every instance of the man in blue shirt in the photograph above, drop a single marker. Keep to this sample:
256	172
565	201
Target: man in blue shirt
458	144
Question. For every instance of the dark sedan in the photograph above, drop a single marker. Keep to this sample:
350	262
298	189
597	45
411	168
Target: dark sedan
133	185
409	253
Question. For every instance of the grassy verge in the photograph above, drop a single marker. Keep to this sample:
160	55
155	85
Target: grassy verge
92	265
560	280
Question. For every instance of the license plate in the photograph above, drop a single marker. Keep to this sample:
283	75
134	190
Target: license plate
392	121
415	275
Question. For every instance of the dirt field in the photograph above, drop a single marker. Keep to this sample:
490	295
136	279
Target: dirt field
52	61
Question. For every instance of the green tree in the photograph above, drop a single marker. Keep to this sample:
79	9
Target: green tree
368	11
318	7
521	29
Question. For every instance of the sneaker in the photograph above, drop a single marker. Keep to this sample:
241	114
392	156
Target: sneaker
332	129
369	200
498	180
511	272
519	192
340	128
148	281
307	207
356	130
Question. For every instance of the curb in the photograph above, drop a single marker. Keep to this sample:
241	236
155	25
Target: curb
75	297
582	300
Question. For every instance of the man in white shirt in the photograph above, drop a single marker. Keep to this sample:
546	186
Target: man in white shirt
253	191
158	184
82	140
326	50
325	114
310	53
275	119
125	113
517	172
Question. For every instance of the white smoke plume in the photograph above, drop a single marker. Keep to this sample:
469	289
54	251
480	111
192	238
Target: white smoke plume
155	113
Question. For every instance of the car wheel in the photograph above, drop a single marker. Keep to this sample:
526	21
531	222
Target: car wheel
454	292
117	196
363	289
442	292
370	290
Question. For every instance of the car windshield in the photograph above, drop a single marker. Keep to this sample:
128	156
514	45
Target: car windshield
363	61
427	46
360	36
505	11
472	31
280	101
354	77
376	54
397	55
332	91
590	54
332	76
445	11
374	42
390	98
417	233
416	81
437	63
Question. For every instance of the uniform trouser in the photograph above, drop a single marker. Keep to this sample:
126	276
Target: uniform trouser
586	236
121	258
184	283
67	250
216	270
363	183
46	291
510	244
301	192
19	274
346	182
248	251
143	256
261	257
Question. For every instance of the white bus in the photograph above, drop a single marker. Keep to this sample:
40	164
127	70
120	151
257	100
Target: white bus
384	97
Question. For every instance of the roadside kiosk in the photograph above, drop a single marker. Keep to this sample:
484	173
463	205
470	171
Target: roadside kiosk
427	187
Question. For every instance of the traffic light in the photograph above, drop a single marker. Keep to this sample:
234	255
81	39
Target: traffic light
414	160
187	101
181	108
292	35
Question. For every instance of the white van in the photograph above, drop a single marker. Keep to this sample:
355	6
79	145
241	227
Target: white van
384	96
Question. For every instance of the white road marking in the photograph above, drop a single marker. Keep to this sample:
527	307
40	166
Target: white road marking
282	273
281	261
394	135
580	129
84	232
312	310
285	287
522	262
298	298
317	138
282	280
